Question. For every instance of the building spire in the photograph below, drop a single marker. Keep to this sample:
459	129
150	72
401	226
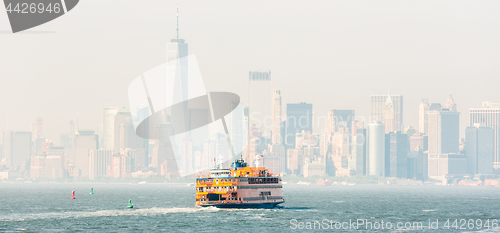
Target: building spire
450	104
389	98
177	30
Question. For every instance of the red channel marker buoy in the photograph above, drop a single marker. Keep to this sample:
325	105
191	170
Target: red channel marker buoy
73	194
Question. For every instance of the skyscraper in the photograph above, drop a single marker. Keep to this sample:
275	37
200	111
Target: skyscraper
396	154
450	104
130	140
443	132
422	116
99	161
37	128
276	114
378	109
339	116
85	141
359	142
176	49
389	115
277	154
488	116
121	116
163	152
376	149
443	143
17	148
479	149
108	140
260	96
298	118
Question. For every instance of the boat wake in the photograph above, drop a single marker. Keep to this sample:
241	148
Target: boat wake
103	213
294	208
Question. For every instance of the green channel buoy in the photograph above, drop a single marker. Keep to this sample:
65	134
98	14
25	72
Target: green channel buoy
130	204
91	190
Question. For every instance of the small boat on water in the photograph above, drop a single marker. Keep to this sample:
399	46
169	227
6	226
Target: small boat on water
324	182
304	183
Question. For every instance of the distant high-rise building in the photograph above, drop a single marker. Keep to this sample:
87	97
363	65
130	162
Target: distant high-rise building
422	116
17	148
127	136
260	97
163	151
37	128
277	155
298	119
340	143
346	116
389	116
418	141
37	144
479	149
443	132
376	149
108	139
396	155
85	141
450	104
378	109
48	165
488	116
121	116
276	115
327	137
177	48
186	165
435	107
313	168
417	165
130	140
360	143
443	144
99	162
295	161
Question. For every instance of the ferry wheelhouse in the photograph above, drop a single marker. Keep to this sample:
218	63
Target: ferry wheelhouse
240	186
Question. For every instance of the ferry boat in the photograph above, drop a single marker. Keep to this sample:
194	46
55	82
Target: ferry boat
240	186
324	182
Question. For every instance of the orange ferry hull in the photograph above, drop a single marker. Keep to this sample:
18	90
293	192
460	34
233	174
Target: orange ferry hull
246	205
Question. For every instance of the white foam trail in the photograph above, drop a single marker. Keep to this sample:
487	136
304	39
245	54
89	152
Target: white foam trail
103	213
112	213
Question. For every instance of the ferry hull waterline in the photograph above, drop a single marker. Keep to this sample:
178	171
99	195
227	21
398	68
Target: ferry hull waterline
240	186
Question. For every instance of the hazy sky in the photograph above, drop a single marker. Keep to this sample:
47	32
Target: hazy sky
334	54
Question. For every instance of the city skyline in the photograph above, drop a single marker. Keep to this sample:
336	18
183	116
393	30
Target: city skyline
299	149
414	67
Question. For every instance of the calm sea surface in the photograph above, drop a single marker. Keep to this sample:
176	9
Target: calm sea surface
170	208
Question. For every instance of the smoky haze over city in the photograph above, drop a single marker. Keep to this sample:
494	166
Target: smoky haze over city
227	103
332	54
313	72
